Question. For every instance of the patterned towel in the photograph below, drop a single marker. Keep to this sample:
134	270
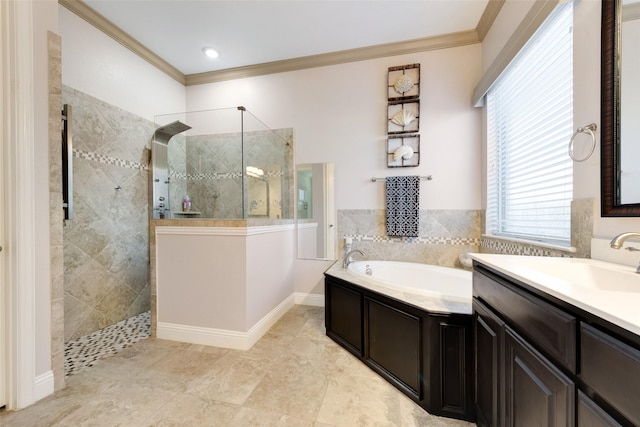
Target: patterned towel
403	205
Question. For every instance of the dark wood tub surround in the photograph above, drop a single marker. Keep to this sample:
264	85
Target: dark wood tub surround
541	361
427	356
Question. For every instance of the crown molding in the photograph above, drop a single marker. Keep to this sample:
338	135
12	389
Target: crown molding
334	58
85	12
444	41
488	17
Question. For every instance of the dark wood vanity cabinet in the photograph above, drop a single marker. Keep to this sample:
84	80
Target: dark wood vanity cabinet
542	362
488	344
427	356
536	393
611	368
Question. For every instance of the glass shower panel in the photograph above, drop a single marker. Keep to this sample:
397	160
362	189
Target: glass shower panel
229	164
268	158
214	164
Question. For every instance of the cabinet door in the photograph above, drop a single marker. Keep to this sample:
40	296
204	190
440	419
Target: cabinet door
343	320
612	368
451	367
592	415
394	343
536	393
488	350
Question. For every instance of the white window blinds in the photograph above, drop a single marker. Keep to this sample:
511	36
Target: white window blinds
530	121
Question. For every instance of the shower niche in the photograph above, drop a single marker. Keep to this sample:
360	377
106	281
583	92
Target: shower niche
227	161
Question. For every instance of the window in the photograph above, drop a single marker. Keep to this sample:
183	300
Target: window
529	125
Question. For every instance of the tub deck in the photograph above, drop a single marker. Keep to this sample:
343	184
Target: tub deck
441	303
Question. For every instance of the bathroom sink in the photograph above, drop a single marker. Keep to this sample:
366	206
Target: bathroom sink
587	273
605	289
580	273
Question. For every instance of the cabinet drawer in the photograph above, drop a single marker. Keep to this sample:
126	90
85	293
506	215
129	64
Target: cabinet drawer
612	369
553	330
591	415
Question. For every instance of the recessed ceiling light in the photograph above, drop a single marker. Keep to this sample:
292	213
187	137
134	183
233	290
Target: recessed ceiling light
210	52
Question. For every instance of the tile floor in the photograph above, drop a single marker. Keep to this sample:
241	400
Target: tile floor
84	351
293	376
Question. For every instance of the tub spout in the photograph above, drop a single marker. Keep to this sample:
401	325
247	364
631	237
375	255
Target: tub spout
347	257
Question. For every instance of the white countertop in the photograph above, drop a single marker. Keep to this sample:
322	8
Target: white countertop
607	290
428	303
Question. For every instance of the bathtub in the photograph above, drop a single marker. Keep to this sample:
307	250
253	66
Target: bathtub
430	287
422	279
412	324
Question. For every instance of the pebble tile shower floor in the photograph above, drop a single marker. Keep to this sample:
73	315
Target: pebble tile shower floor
293	376
86	350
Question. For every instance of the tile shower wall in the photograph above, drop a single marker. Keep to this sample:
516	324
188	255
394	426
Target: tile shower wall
56	213
209	169
444	235
106	245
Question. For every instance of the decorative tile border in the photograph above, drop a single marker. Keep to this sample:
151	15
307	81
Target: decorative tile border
84	351
515	248
463	241
217	175
95	157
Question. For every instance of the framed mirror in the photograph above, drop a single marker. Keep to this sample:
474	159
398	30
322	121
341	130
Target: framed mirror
315	211
620	106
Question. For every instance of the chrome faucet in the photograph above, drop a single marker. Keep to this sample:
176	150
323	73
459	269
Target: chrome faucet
347	257
616	243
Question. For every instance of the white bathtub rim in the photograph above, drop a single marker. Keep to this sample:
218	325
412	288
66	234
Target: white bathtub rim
433	304
456	273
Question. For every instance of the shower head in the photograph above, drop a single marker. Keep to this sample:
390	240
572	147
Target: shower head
165	133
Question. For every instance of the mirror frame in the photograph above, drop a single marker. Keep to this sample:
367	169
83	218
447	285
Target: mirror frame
610	114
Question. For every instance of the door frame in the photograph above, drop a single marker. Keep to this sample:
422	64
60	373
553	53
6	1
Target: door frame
17	226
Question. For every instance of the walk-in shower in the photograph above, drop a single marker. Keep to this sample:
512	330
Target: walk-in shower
227	162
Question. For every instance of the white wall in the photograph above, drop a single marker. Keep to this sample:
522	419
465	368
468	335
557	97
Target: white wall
99	66
222	279
269	269
339	116
201	279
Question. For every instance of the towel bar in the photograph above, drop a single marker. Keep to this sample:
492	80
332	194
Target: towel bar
422	178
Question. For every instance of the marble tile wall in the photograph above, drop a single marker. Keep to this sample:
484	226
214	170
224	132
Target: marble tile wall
444	235
106	245
55	211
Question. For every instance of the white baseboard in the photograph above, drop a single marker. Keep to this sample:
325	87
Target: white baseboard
316	300
222	337
44	386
